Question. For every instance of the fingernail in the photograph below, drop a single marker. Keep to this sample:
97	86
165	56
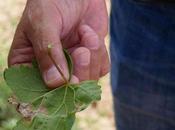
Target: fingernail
51	75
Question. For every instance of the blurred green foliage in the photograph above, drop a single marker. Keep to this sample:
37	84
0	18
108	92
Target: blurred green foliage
8	116
8	22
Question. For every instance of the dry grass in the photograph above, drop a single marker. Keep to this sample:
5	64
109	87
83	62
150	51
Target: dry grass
99	118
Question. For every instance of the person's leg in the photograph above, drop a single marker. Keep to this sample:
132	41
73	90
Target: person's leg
131	118
141	103
143	60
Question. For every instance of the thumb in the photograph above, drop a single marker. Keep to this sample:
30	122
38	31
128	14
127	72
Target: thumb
43	27
49	64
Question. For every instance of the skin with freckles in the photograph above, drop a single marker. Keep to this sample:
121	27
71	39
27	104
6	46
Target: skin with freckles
79	26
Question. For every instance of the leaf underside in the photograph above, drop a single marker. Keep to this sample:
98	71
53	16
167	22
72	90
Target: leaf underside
60	105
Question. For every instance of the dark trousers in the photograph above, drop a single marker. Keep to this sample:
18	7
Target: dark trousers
143	65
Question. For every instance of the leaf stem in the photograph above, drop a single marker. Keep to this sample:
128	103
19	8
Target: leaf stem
56	65
63	102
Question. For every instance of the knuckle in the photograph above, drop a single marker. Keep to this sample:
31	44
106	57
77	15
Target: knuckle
81	57
42	46
79	51
34	13
92	41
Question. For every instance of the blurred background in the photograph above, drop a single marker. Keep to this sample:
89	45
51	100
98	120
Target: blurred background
97	117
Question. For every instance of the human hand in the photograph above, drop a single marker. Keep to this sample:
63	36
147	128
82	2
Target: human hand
77	25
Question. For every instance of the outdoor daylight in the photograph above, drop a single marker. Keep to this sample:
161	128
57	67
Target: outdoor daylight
98	116
87	64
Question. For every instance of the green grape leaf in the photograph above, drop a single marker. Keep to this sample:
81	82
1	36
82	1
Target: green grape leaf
44	122
51	109
59	101
25	82
88	92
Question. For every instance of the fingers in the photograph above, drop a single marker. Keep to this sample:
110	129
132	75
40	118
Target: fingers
81	61
99	61
45	25
21	59
49	64
20	56
21	51
90	40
